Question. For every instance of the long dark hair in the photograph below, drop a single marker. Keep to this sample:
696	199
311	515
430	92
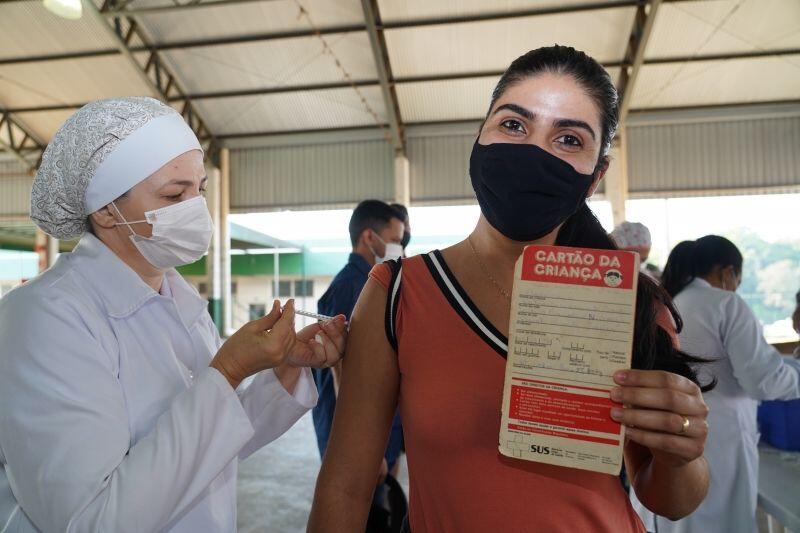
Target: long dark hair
690	259
653	348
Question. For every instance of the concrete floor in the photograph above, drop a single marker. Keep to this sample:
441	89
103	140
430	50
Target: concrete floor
276	484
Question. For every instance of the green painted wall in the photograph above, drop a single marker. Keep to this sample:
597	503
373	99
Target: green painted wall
327	264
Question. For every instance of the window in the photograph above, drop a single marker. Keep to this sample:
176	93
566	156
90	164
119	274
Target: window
257	311
284	289
304	287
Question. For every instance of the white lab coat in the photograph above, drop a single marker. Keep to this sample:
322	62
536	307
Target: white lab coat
719	325
111	418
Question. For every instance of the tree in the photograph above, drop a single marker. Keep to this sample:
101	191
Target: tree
771	275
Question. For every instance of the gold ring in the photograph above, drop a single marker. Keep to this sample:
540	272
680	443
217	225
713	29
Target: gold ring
684	426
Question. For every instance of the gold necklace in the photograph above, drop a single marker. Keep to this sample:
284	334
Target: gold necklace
503	291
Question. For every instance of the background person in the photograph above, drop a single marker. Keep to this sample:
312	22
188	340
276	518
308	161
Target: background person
703	276
635	237
376	234
403	210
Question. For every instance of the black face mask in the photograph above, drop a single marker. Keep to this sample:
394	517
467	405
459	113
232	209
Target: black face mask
406	239
524	191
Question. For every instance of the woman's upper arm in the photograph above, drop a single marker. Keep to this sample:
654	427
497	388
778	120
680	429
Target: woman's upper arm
364	409
758	367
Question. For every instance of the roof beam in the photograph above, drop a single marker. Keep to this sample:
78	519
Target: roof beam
478	17
648	115
59	57
124	11
748	54
19	141
505	15
155	74
280	89
372	16
348	28
634	54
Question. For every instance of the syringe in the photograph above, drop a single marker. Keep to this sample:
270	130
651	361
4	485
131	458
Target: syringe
309	314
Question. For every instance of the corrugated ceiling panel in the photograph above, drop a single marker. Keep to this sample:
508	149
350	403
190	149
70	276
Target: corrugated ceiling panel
716	27
68	81
27	28
445	100
449	100
439	168
15	189
393	11
308	176
718	82
292	111
715	155
273	63
246	19
44	124
492	45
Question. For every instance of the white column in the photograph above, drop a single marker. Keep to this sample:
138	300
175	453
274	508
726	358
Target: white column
276	274
402	180
52	251
225	241
617	178
214	257
40	247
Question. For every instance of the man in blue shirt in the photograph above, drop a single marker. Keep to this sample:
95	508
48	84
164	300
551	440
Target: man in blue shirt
376	234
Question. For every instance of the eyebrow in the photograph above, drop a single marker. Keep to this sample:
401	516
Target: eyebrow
573	123
186	183
518	109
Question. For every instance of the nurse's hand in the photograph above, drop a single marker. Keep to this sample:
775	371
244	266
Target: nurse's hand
657	405
258	345
320	345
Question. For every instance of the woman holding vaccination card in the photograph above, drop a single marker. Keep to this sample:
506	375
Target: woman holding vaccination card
432	334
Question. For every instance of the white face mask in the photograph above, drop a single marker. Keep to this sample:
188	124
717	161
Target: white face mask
393	251
181	233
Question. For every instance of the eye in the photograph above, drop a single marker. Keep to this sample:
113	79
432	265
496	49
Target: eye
513	126
569	140
174	197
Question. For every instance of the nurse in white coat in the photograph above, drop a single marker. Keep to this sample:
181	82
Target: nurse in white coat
702	276
121	410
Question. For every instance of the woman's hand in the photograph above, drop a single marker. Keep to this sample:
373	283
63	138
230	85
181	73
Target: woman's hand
657	406
320	345
260	344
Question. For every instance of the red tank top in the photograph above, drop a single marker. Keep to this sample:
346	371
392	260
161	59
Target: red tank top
452	367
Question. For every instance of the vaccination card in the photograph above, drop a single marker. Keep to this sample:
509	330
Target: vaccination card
571	328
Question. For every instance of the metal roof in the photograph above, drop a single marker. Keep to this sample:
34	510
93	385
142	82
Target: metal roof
239	68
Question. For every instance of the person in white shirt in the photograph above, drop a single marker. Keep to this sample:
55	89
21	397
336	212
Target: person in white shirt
635	237
121	409
702	276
